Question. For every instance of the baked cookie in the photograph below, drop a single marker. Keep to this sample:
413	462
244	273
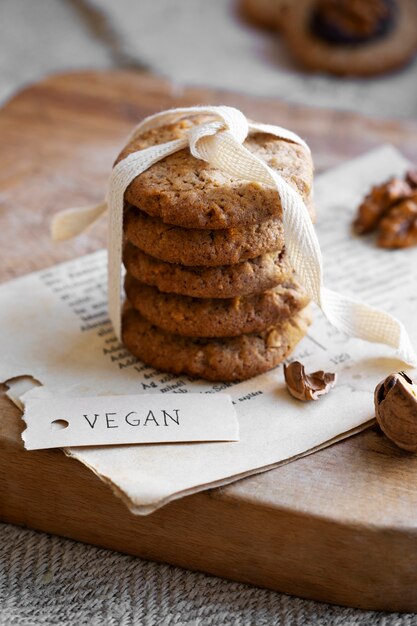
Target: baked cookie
188	192
214	317
191	246
357	37
231	359
224	281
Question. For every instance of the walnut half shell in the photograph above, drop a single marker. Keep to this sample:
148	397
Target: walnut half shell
306	387
396	410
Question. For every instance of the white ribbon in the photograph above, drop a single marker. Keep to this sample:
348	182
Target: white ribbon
220	143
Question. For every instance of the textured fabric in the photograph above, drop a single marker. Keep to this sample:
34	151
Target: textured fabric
46	580
219	142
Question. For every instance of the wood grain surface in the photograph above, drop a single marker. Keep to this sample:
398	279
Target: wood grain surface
338	526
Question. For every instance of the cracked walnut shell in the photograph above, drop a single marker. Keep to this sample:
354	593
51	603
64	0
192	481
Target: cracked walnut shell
396	410
306	387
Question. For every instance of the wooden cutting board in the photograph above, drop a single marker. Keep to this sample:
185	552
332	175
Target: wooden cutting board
338	526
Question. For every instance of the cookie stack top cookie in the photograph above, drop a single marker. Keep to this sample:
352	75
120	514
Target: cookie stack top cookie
188	192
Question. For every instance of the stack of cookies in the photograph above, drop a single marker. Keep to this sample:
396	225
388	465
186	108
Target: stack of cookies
210	291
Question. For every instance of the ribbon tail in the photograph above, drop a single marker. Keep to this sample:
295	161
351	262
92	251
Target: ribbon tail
366	322
72	222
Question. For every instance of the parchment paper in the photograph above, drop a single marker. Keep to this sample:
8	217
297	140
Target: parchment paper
75	353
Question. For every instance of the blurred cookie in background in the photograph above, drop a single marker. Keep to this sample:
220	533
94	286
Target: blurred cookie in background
351	37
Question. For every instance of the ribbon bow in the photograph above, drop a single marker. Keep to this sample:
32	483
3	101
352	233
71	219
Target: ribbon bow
219	142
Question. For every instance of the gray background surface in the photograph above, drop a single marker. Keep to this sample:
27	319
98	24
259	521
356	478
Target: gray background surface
49	580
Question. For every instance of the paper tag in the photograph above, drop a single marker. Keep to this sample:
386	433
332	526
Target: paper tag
59	422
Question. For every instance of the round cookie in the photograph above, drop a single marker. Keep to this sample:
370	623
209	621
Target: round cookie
231	359
224	281
188	192
214	317
189	246
320	47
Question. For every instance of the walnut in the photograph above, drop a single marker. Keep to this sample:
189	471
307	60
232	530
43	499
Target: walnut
396	410
306	387
391	210
380	199
398	229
